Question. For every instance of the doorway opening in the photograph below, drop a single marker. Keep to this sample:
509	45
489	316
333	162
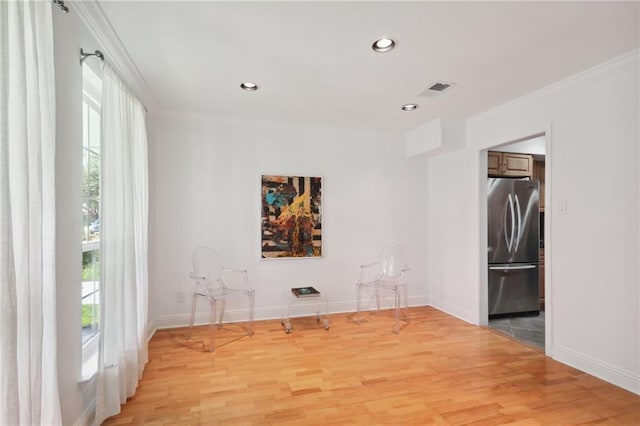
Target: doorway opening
516	240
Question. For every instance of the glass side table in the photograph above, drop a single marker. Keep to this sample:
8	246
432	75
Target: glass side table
304	307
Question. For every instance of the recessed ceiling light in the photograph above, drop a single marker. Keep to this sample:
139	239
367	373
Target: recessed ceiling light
248	86
409	107
384	44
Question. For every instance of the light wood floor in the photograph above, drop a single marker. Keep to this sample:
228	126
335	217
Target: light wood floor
438	370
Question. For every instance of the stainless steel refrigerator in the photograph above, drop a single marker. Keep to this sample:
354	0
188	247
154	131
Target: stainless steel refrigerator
513	241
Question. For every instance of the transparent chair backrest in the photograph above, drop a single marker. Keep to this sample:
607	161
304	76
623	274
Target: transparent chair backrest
207	263
392	260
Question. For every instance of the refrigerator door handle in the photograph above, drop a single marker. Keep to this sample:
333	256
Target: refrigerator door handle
519	211
513	224
504	226
511	268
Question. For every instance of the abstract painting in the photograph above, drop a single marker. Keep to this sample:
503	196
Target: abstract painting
291	216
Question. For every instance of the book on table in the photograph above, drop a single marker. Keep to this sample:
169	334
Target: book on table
305	292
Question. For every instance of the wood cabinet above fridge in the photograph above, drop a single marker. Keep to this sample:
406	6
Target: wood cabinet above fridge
509	164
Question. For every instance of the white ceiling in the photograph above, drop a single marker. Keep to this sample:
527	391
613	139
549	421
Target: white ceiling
314	63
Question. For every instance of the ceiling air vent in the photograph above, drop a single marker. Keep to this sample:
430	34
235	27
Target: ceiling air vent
436	88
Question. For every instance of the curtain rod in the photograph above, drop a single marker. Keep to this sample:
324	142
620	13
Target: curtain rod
97	54
84	55
60	4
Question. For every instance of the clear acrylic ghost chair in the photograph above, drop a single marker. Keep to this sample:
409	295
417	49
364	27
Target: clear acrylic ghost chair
386	276
216	283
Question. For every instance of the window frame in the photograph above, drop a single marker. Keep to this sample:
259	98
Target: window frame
91	94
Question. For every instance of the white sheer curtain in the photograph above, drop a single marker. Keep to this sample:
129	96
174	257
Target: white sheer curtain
123	222
28	354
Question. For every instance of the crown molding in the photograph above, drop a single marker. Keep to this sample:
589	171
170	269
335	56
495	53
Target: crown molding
618	64
115	53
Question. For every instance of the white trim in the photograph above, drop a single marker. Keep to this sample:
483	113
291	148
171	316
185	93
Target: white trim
483	239
86	418
115	53
482	291
151	329
548	249
452	309
90	358
607	372
88	246
604	70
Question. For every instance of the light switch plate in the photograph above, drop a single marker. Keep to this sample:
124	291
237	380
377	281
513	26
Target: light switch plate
561	207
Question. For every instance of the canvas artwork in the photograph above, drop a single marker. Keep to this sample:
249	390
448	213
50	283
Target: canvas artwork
291	216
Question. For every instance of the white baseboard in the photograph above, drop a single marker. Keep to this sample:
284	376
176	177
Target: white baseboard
152	327
455	310
614	375
268	313
86	418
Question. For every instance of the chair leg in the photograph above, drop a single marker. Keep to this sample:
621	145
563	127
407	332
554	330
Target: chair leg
193	315
223	306
212	341
406	303
396	293
358	303
251	306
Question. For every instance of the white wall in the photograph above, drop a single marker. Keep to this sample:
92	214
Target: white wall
593	285
206	185
452	230
416	221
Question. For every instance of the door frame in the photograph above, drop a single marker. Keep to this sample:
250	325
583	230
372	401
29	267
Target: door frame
483	298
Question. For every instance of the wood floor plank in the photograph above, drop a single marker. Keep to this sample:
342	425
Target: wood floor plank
438	370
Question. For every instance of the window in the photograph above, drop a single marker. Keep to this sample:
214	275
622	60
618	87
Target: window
91	166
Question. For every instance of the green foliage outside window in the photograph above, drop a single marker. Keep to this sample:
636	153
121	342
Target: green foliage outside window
91	186
88	312
90	269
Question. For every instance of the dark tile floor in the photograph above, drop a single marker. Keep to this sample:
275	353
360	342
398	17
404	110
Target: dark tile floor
529	329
